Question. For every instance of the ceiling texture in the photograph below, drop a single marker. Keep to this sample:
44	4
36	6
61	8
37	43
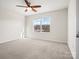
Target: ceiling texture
47	5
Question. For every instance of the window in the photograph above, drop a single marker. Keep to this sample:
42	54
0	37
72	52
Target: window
42	24
36	24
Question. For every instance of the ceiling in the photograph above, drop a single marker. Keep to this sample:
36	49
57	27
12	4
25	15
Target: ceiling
47	5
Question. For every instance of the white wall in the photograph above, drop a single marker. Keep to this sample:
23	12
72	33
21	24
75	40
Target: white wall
58	30
72	27
11	25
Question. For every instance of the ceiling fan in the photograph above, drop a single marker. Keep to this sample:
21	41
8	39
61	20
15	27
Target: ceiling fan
28	5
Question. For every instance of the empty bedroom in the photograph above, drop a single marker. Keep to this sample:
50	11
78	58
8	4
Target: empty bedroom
37	29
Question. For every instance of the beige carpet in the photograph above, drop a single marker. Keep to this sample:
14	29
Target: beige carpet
34	49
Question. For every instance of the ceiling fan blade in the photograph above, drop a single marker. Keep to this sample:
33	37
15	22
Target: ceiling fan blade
21	6
36	6
27	3
26	10
34	10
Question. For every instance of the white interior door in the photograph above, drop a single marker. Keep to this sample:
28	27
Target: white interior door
77	28
77	48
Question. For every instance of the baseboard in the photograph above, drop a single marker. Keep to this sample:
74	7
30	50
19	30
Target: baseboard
47	40
7	41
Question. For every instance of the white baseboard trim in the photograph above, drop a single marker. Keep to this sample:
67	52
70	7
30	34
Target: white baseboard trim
7	41
46	40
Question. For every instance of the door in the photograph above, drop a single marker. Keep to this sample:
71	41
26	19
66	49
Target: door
77	48
77	29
